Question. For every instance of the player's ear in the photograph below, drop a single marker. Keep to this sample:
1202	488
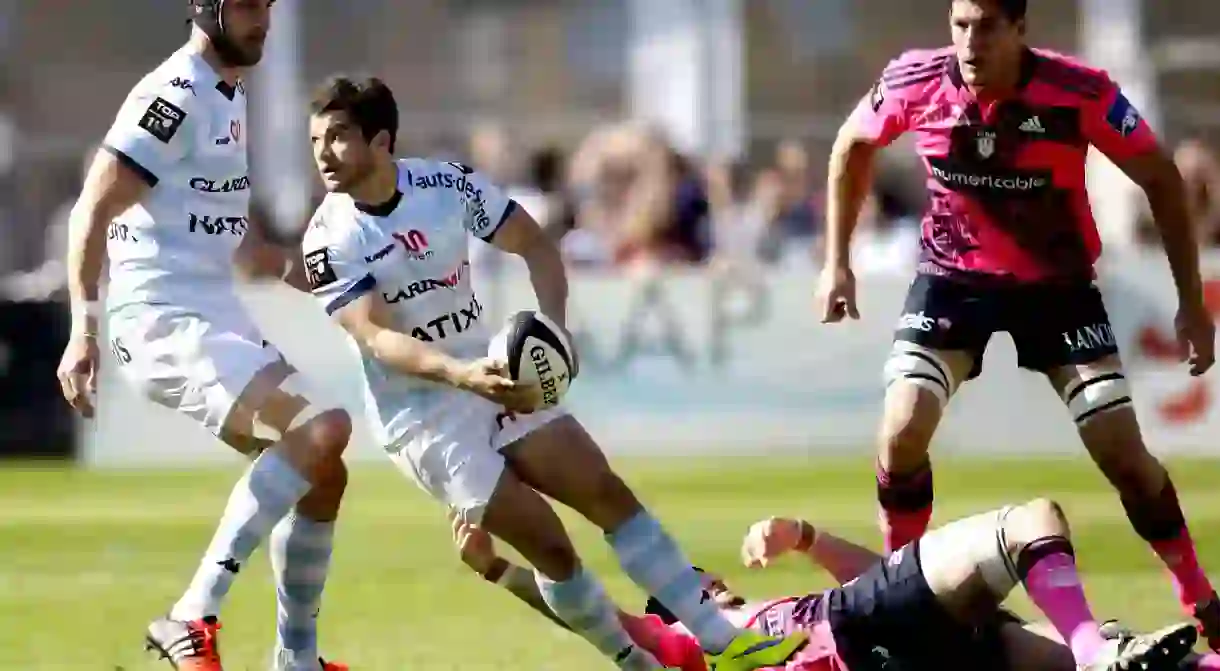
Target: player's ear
382	141
1021	27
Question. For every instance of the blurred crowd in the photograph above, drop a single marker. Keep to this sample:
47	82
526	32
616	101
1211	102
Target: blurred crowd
624	196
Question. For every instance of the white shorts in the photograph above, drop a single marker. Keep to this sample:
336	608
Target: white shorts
195	364
454	455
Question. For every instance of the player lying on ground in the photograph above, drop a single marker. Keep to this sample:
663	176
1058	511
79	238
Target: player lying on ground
933	604
1009	244
387	256
166	203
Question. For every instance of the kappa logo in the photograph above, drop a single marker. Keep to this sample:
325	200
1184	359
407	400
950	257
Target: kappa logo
876	97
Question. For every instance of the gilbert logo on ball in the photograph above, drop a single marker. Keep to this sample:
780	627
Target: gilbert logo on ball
538	353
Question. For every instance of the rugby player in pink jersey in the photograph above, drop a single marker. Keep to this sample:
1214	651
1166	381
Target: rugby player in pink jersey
933	604
1009	244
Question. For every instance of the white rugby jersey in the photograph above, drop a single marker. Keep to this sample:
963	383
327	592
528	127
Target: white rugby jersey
183	129
412	253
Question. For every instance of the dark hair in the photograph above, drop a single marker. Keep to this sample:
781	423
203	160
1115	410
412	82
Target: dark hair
655	607
367	102
1013	10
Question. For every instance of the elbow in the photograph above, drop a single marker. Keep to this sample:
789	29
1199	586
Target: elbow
847	141
543	255
851	155
1159	179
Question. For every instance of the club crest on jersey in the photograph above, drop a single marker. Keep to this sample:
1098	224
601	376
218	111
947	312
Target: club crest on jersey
986	144
235	130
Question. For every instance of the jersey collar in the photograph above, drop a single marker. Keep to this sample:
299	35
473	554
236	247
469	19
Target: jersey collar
384	209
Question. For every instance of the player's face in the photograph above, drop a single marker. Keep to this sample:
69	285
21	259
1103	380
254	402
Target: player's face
246	23
988	44
343	157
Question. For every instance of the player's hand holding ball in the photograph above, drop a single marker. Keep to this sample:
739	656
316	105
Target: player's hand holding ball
489	378
539	357
836	295
768	539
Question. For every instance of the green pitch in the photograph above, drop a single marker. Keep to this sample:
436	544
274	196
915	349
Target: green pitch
86	559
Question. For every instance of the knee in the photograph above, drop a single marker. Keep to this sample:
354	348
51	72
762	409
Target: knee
324	498
1034	520
557	560
906	437
1044	512
329	434
333	478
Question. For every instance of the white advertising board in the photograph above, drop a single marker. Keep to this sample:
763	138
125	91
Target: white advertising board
705	361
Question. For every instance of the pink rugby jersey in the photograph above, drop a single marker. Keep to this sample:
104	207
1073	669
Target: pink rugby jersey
1006	177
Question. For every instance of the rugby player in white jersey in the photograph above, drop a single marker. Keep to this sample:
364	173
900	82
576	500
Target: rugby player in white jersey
387	254
166	203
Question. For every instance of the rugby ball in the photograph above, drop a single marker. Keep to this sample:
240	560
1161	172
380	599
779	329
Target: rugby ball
537	352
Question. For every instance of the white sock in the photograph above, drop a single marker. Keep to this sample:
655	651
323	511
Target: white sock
264	495
300	550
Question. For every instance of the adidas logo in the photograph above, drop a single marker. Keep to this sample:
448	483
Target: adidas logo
1033	125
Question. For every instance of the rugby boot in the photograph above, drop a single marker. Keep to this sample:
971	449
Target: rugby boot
332	666
1208	616
1114	629
1162	650
752	650
188	646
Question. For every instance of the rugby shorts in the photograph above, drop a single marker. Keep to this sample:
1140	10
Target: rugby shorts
1051	325
454	454
197	364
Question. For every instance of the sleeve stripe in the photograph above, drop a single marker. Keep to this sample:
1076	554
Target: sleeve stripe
508	212
133	165
904	68
353	292
933	69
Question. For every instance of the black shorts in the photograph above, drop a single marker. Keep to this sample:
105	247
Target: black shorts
888	619
1051	325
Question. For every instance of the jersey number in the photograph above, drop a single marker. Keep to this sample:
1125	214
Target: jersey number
120	351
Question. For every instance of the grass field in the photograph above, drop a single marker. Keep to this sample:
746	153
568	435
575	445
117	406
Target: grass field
88	558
